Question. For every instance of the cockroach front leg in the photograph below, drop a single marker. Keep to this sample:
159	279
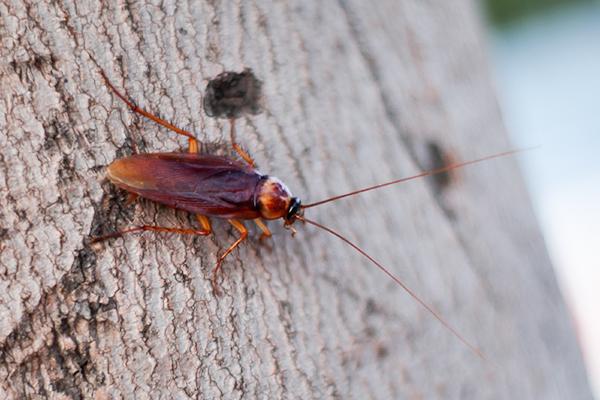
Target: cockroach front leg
266	233
238	149
193	143
243	235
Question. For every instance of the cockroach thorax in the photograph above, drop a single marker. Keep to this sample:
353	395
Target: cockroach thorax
273	198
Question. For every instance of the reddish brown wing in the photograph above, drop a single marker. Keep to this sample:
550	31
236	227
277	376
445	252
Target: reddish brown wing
208	185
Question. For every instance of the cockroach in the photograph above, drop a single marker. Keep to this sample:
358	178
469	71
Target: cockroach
222	187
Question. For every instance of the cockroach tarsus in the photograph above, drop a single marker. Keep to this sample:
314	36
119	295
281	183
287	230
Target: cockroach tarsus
221	187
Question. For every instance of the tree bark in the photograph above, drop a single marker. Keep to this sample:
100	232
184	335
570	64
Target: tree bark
354	94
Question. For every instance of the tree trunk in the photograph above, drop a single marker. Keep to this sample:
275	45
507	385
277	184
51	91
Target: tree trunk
354	94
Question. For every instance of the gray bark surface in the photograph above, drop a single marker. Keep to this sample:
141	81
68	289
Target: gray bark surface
354	94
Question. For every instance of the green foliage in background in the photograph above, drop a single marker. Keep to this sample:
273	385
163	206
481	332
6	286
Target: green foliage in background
502	12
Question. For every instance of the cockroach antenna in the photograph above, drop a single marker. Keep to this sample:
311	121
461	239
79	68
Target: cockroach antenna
299	216
435	171
412	294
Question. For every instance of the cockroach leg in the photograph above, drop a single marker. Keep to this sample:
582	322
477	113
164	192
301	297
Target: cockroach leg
243	235
204	223
131	198
133	138
291	229
183	231
193	144
238	149
266	233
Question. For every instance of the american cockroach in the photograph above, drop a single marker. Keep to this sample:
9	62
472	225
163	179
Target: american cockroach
222	187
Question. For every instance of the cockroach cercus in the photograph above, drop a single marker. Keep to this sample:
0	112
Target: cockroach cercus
221	187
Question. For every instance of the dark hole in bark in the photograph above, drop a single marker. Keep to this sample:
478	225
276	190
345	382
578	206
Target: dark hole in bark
232	94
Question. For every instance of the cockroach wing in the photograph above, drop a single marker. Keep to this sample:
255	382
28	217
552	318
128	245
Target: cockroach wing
201	184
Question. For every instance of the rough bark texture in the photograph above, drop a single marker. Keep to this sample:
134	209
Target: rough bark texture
354	93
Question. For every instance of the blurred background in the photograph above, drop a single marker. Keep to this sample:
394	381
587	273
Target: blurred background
546	61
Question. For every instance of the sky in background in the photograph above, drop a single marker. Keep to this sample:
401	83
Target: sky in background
547	70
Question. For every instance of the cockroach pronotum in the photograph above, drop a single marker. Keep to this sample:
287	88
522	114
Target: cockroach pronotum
221	187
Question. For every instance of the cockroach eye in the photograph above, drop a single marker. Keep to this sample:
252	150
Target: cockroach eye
295	209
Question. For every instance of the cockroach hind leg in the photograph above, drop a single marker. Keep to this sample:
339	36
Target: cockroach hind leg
204	223
131	198
94	240
143	228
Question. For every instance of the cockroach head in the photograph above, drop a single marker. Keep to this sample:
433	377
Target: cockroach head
275	201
